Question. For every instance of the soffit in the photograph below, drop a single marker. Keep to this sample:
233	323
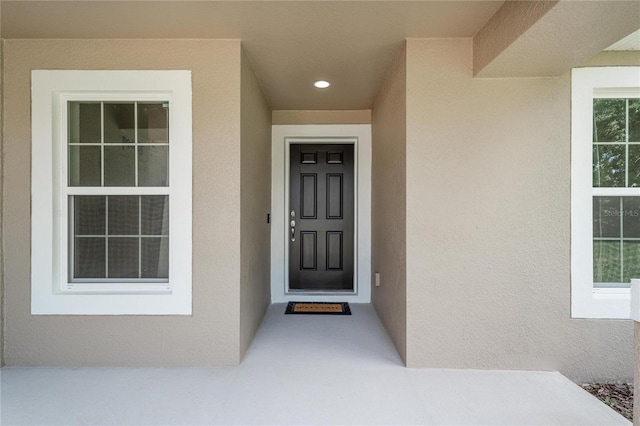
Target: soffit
289	43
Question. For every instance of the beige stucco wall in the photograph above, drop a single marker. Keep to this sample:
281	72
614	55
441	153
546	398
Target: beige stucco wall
636	375
547	38
321	116
1	192
627	58
211	335
507	25
488	224
255	192
388	203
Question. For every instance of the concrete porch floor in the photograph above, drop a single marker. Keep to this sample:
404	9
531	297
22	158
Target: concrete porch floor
299	370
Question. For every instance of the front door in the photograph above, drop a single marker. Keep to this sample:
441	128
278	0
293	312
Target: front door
321	217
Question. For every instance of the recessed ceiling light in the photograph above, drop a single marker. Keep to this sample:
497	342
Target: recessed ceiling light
321	84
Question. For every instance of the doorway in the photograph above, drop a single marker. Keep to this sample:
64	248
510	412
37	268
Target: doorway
321	217
321	174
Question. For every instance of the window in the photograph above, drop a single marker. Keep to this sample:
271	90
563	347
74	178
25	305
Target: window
111	192
605	190
118	237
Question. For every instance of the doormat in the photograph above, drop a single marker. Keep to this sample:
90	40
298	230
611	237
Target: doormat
318	308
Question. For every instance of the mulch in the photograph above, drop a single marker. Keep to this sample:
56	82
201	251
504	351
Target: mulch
615	395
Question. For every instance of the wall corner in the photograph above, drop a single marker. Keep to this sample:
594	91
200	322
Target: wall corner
1	202
388	203
255	204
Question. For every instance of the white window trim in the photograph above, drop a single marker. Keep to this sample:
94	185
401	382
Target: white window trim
51	291
587	83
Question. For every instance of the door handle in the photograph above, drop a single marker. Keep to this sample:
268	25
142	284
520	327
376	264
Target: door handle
293	226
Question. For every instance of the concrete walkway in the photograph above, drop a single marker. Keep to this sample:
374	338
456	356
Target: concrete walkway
299	370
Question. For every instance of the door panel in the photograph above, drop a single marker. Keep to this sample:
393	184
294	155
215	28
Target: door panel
309	251
334	196
308	197
321	220
334	250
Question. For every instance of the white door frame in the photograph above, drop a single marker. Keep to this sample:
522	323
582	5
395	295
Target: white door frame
282	137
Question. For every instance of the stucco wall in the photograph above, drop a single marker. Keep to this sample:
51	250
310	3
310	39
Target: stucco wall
627	58
1	192
388	203
488	231
636	374
321	117
255	192
211	335
505	26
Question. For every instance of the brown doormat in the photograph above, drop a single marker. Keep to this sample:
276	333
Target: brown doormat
318	308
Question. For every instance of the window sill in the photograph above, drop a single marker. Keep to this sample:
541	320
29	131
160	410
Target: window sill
167	303
116	288
602	303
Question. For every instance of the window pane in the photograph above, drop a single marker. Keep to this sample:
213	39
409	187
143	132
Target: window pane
609	120
634	166
84	122
631	217
123	257
631	260
153	166
119	166
89	215
634	120
89	257
84	165
608	165
123	214
119	122
606	217
153	122
155	215
606	262
155	257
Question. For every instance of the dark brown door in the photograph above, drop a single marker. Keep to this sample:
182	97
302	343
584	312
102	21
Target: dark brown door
321	217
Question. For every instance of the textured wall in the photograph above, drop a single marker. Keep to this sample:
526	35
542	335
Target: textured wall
547	38
388	203
636	375
322	117
488	209
211	335
509	23
629	58
255	192
1	198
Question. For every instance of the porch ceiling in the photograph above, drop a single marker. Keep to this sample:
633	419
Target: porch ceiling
293	43
290	44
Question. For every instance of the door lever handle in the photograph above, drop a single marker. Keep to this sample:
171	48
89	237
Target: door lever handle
293	226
